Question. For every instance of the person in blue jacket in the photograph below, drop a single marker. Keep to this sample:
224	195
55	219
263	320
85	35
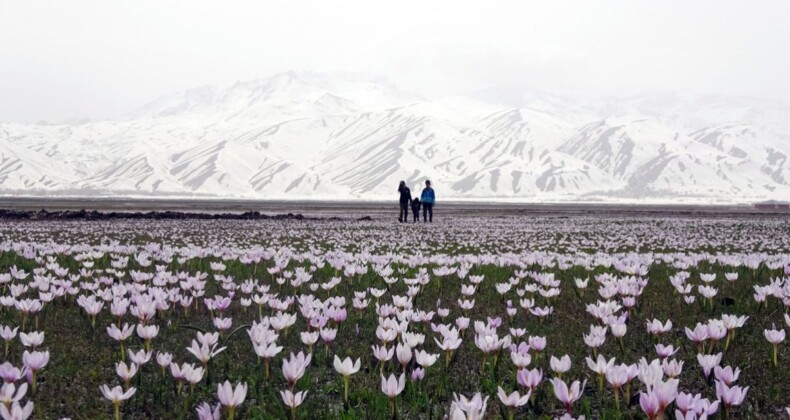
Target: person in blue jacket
428	199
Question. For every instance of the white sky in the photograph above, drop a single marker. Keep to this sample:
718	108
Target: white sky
77	58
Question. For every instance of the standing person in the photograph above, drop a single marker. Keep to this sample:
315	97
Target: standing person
428	199
405	200
415	209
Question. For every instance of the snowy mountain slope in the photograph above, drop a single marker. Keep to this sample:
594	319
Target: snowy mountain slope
347	136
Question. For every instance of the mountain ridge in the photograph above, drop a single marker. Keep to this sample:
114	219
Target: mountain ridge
345	136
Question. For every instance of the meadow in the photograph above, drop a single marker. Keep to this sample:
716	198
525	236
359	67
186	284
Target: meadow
470	318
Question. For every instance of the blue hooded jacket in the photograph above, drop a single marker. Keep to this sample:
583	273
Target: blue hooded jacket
428	196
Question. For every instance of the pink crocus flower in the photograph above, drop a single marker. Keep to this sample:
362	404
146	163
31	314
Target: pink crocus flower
520	356
666	351
728	375
10	373
126	372
560	365
617	376
34	361
120	335
775	337
164	359
698	335
425	359
537	343
530	378
666	391
392	387
708	362
672	368
382	354
230	397
147	333
33	339
293	400
346	368
294	367
512	401
205	412
141	357
566	395
730	396
468	409
267	352
193	375
9	393
418	374
328	335
600	366
8	335
16	411
403	353
204	352
117	395
650	405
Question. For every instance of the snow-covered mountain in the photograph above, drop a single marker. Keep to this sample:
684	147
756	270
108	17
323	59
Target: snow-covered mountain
350	137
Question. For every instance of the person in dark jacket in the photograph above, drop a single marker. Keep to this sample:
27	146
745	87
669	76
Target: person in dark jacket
405	200
415	209
428	199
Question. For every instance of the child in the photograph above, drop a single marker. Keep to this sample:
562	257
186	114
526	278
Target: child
415	208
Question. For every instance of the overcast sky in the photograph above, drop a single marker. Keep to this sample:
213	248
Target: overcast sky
64	59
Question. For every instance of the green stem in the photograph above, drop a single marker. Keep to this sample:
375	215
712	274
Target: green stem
395	408
627	394
776	356
345	391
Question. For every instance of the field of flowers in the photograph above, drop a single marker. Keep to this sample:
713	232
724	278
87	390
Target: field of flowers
471	318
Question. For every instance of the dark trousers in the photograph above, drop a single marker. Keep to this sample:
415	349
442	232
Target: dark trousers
416	215
427	212
403	216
